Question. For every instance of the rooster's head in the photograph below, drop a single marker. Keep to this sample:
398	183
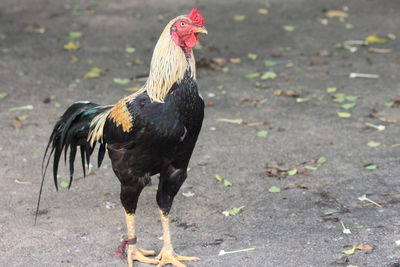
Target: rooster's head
185	30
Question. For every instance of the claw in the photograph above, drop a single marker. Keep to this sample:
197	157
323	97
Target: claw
173	258
137	254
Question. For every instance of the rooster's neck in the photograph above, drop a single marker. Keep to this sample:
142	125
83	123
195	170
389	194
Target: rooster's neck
168	66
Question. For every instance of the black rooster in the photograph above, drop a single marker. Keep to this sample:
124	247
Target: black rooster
153	131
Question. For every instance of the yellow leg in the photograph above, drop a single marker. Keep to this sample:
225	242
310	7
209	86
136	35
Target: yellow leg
167	254
135	253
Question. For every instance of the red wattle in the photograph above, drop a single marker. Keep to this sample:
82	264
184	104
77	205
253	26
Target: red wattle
191	41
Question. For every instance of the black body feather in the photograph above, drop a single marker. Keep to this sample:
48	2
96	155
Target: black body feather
162	140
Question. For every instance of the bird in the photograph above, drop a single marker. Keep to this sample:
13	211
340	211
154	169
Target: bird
152	131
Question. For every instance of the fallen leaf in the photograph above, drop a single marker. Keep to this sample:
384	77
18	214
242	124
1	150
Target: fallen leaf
375	39
225	69
235	121
336	14
64	184
321	160
233	211
348	105
218	178
27	107
262	133
252	75
331	90
93	73
252	56
74	35
3	95
291	93
324	53
292	172
227	183
278	92
270	63
35	28
373	144
71	46
269	75
293	214
235	60
121	81
18	181
289	28
274	189
73	58
344	114
188	194
389	104
391	36
130	49
302	99
371	166
239	17
311	168
262	11
380	50
258	123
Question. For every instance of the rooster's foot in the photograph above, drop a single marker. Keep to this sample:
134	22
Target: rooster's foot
170	257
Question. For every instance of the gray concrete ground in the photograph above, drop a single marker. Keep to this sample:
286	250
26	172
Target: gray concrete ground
299	226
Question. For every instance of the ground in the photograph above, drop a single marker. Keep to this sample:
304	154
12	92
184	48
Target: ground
299	226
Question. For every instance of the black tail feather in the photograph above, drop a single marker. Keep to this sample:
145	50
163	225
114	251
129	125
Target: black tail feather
71	131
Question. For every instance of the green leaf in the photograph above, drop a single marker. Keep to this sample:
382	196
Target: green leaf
233	211
388	104
252	56
292	172
130	49
269	75
239	17
321	160
225	69
274	189
74	35
311	168
344	115
269	63
340	99
293	214
262	133
373	144
289	28
331	90
360	226
302	99
227	183
252	75
218	178
348	105
351	98
3	95
371	166
64	184
121	81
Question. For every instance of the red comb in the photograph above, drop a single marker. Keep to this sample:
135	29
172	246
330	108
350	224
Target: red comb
195	16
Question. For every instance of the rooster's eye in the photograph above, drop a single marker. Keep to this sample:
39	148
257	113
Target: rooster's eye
183	24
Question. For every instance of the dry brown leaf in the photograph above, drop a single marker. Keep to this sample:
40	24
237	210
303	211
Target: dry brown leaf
339	95
336	14
324	53
258	123
235	60
235	121
244	99
278	92
376	116
291	93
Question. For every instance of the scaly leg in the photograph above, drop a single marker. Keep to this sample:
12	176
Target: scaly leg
167	254
135	253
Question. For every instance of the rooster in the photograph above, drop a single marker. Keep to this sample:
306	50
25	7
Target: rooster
152	131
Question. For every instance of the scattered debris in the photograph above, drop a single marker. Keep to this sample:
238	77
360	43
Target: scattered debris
289	28
359	247
371	166
35	28
336	14
262	133
345	230
121	81
93	73
71	46
223	252
233	211
377	127
274	189
27	107
234	121
239	17
363	75
376	116
188	194
364	198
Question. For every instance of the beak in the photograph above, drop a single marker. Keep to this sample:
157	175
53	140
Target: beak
202	30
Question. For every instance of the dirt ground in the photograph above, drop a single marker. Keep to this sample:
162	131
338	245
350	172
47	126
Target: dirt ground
299	226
